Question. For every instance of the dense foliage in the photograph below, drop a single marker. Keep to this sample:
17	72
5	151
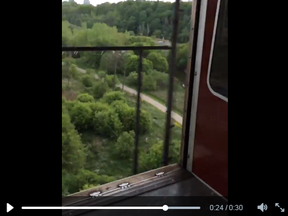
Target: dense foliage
147	18
108	116
98	121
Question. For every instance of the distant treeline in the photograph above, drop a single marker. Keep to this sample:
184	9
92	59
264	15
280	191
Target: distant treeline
147	18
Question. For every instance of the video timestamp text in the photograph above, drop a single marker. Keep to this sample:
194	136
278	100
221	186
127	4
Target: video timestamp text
228	207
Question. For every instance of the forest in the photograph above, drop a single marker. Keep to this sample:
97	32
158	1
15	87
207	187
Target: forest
147	18
98	113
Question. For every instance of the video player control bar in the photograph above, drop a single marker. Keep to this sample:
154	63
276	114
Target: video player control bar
164	207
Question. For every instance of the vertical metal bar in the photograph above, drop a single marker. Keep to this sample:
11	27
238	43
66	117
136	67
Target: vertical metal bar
172	69
115	69
124	77
135	167
189	82
106	65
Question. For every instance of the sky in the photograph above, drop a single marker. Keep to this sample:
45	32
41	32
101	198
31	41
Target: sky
95	2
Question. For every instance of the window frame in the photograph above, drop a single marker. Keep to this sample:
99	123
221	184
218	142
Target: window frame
175	169
211	55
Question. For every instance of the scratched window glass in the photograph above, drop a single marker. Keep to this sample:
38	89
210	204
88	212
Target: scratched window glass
219	65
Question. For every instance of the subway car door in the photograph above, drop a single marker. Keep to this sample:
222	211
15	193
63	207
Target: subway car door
208	142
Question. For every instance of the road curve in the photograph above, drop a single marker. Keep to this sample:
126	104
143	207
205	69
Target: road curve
144	97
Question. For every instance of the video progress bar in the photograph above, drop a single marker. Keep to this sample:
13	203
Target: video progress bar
164	207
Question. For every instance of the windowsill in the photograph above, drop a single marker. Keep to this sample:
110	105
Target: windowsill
176	182
142	180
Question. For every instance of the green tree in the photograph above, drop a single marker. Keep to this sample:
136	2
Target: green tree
99	89
152	159
132	79
84	177
133	62
98	107
72	74
149	83
112	62
127	116
73	151
69	71
174	151
70	104
85	98
136	17
124	147
107	124
120	107
112	80
67	34
87	81
181	57
162	79
81	116
145	122
112	96
159	62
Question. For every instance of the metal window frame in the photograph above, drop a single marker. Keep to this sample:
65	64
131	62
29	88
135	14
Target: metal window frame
213	44
189	83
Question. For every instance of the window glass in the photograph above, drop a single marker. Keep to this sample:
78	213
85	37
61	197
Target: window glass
219	67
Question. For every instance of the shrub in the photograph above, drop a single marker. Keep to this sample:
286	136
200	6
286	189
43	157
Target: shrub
69	105
86	177
85	98
133	62
98	107
81	116
132	79
162	79
107	124
110	80
149	83
125	145
120	108
112	96
127	116
174	151
100	89
101	74
73	152
87	81
152	159
145	122
159	62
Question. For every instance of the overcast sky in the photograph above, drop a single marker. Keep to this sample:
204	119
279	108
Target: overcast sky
95	2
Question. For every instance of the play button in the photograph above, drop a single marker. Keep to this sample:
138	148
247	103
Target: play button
9	207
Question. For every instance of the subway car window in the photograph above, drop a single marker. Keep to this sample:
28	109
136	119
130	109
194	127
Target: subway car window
219	66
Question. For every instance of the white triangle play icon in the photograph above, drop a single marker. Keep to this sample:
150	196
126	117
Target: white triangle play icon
9	207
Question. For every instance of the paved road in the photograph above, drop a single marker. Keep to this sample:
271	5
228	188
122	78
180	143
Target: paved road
144	97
